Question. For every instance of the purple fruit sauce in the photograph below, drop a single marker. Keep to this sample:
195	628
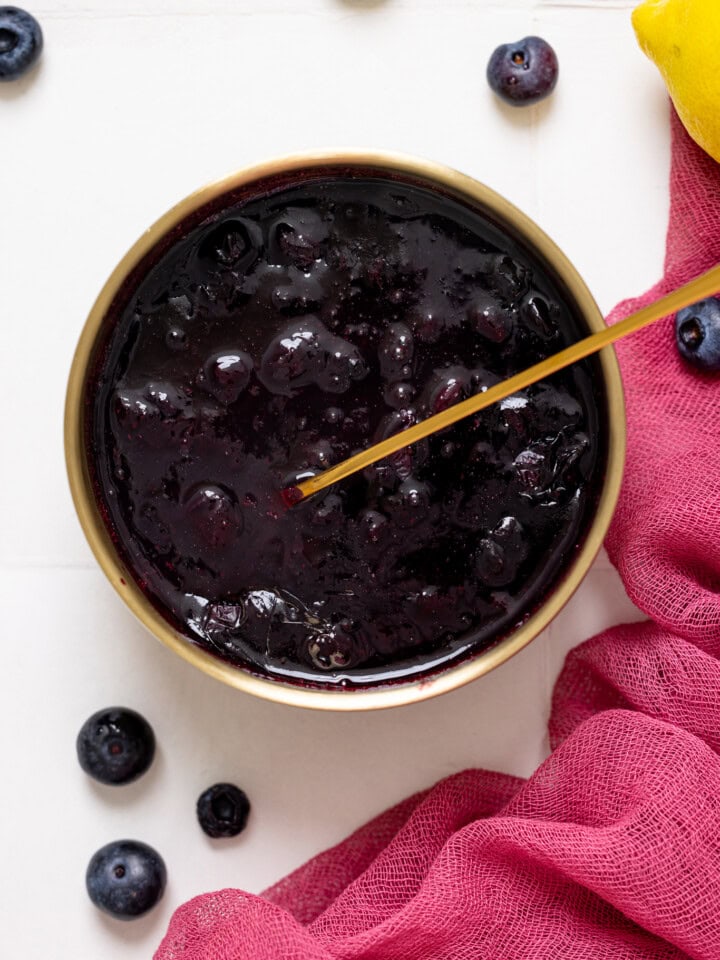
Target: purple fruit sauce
281	332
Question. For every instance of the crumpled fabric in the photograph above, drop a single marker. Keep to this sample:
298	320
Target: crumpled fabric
611	850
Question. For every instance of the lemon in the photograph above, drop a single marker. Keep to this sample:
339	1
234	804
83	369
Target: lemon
682	38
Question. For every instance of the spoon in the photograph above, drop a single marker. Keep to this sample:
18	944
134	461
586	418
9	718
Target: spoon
703	286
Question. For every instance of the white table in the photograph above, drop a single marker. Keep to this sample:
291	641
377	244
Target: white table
136	103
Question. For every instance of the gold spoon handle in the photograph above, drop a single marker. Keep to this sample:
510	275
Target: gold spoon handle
703	286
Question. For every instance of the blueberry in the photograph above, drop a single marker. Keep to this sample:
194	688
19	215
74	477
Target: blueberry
399	395
125	878
490	320
227	374
176	339
115	745
328	513
372	527
395	352
536	313
523	73
342	365
697	333
331	649
222	810
300	235
410	505
21	42
213	515
499	556
234	244
294	357
448	387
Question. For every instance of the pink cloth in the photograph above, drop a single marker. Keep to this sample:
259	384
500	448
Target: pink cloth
611	850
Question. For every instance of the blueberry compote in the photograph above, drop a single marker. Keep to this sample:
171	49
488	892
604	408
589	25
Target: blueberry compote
278	333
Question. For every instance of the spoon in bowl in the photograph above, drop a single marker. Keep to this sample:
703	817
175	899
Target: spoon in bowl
705	285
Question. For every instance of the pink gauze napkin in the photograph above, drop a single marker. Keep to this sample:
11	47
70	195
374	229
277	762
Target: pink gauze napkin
612	848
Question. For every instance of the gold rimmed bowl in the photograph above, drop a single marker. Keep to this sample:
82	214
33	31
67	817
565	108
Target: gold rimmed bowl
253	182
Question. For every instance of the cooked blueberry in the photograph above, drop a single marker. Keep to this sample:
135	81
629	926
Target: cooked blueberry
342	365
428	323
222	620
507	278
302	293
697	333
490	319
234	243
536	314
534	469
125	879
227	374
400	464
319	454
213	515
176	338
331	649
395	352
511	535
524	72
328	512
223	810
410	504
554	408
499	555
115	745
294	357
373	526
446	388
21	42
490	563
300	235
515	417
334	415
399	395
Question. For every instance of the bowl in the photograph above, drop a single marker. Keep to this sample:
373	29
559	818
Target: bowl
124	281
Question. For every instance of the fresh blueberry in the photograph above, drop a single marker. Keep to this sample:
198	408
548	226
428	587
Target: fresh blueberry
697	333
523	73
115	745
125	878
21	42
222	810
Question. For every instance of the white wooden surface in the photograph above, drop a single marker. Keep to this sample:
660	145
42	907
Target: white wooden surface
136	103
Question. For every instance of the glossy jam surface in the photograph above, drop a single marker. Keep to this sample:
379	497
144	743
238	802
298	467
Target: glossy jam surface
292	329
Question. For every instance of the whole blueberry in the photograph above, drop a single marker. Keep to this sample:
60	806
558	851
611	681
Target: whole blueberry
21	42
125	878
697	333
222	810
524	72
115	745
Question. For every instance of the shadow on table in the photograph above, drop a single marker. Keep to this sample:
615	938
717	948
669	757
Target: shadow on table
15	89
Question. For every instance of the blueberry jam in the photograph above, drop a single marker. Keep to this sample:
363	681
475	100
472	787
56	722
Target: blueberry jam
284	329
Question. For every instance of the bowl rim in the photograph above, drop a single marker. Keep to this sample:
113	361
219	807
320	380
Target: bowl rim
452	182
